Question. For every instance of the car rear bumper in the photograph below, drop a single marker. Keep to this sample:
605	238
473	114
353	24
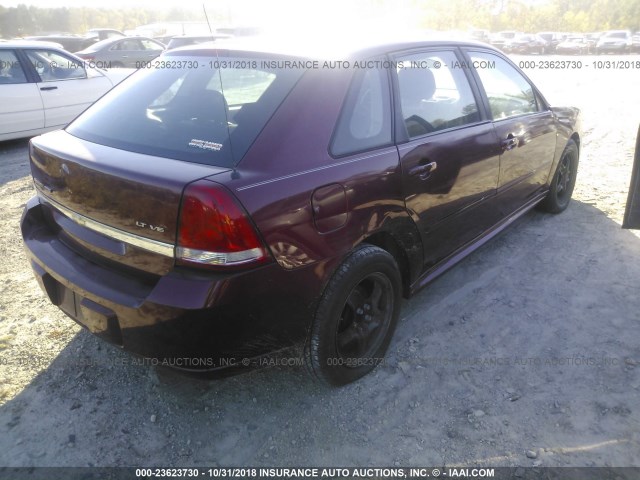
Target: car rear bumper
612	48
570	50
521	49
185	319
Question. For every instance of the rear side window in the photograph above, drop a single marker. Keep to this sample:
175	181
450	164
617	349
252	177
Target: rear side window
128	45
434	94
198	113
365	121
10	68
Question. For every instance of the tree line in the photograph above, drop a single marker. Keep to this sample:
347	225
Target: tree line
550	15
26	20
493	15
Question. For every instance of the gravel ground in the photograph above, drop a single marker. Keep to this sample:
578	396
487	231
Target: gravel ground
526	353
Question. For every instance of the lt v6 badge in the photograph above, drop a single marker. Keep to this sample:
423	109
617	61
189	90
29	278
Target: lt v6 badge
155	228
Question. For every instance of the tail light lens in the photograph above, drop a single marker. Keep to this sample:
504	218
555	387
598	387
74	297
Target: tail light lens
214	231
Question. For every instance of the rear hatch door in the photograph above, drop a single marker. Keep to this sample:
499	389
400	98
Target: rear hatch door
119	205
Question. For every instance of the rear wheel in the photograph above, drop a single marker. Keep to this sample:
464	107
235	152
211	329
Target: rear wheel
563	181
356	317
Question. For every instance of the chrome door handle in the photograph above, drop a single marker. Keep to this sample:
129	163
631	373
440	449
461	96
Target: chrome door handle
423	171
510	143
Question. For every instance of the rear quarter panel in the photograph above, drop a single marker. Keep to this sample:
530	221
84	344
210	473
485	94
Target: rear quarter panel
290	160
569	125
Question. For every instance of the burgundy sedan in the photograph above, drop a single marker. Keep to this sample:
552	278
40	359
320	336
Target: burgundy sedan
230	202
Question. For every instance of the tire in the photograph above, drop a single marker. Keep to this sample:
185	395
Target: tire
564	180
356	317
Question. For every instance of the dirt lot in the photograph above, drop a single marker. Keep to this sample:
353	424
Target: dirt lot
528	348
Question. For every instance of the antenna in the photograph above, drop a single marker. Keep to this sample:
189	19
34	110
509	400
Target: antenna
207	19
221	85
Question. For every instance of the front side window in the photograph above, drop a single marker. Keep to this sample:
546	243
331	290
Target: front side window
199	113
10	68
53	66
365	120
508	92
434	93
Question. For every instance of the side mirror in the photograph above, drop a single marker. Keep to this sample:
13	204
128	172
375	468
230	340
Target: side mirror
632	211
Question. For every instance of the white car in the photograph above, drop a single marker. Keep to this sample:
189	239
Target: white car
43	87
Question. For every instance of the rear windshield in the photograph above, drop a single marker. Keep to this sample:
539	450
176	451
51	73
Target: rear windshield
197	109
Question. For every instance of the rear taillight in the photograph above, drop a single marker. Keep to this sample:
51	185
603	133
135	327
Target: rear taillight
214	230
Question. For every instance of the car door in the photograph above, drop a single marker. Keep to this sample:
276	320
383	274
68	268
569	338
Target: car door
128	52
632	211
449	156
66	87
21	111
525	127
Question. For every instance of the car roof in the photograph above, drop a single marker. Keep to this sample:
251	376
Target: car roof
323	50
31	44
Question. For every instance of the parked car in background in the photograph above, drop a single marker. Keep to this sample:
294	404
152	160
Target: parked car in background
573	45
480	35
44	87
552	39
42	43
614	41
500	39
131	52
635	42
71	43
526	44
75	43
240	31
592	40
184	40
206	217
164	39
97	34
